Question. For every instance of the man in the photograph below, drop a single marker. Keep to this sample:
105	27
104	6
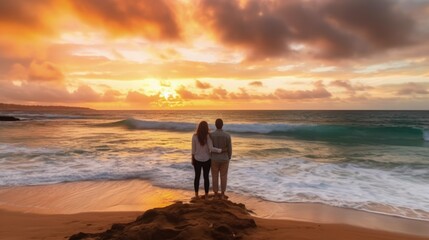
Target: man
220	161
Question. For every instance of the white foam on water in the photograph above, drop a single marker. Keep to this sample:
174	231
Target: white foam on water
347	185
400	191
6	149
426	135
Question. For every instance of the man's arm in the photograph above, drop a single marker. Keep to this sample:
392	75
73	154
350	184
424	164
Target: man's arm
229	145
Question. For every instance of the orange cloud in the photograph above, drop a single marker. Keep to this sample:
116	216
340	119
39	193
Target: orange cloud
152	19
184	93
44	71
29	92
318	92
137	97
111	95
256	84
202	85
220	93
21	16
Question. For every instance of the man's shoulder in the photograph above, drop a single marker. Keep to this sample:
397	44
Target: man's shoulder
220	133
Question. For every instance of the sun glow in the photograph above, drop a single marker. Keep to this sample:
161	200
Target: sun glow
168	93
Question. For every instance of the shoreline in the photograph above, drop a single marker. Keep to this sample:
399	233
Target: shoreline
126	198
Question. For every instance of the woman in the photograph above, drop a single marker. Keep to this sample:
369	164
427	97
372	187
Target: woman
201	147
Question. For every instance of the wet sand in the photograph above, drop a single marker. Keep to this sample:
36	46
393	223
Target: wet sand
57	211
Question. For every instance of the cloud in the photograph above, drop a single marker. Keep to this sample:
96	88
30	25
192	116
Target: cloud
23	14
45	93
85	93
216	94
244	27
16	72
326	29
151	19
202	85
319	91
348	86
220	93
188	95
412	89
111	95
244	95
380	22
137	97
256	84
44	71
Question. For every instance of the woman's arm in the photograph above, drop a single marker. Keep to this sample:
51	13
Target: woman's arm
194	147
210	144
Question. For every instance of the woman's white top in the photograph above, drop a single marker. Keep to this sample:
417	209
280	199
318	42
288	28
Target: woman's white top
202	153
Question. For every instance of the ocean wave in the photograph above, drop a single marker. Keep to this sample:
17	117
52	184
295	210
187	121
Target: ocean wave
341	133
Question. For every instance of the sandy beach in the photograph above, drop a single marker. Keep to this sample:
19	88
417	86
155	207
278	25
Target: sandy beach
60	210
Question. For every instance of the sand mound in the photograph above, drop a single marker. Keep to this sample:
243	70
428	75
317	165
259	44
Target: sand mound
211	219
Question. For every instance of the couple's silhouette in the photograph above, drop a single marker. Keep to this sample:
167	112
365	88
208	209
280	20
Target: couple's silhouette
211	151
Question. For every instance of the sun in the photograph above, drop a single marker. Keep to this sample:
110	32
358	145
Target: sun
168	98
167	93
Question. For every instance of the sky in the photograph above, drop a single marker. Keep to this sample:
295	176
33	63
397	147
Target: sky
215	54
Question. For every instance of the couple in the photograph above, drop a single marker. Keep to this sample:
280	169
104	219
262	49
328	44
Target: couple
211	150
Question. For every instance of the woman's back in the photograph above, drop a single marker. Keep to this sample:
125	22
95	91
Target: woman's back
201	152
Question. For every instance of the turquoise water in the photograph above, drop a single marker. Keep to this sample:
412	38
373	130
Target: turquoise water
374	161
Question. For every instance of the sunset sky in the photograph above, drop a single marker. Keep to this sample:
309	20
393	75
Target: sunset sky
215	54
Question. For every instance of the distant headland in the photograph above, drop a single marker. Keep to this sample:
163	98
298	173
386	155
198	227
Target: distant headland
17	107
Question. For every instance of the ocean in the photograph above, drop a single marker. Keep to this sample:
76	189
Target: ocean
376	161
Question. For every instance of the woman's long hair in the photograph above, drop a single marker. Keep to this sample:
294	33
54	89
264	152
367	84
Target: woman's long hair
202	132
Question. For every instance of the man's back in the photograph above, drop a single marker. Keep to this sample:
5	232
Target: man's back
222	140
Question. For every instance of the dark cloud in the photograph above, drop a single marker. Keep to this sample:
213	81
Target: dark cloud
327	28
380	21
153	19
263	35
23	13
202	85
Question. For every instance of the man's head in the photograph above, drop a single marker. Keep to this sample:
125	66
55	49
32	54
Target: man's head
219	123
